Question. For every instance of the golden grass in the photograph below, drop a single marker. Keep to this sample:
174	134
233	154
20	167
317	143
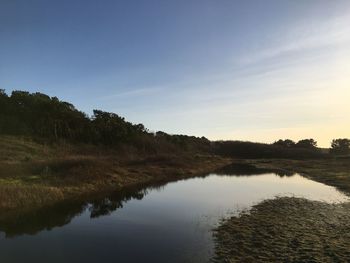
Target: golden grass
36	174
15	195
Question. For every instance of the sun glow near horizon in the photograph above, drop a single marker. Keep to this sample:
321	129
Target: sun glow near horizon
255	71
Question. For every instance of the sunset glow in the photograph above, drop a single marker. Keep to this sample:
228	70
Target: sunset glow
234	71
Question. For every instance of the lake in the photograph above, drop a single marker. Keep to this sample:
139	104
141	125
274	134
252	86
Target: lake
157	223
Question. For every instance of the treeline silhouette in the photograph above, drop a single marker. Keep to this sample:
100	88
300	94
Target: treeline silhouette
241	149
43	117
303	149
47	118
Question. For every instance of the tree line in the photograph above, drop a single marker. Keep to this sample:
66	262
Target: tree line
41	116
338	146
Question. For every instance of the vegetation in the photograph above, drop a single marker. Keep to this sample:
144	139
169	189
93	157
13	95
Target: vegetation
290	229
340	146
286	230
305	143
331	171
304	149
50	152
36	174
48	119
37	219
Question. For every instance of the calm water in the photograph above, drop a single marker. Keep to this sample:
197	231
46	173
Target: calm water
169	223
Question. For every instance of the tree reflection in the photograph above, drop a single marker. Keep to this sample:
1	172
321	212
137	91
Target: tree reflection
243	169
47	218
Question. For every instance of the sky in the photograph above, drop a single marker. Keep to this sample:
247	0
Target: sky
226	70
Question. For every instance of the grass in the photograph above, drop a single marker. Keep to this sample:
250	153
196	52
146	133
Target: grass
291	229
334	172
34	174
286	229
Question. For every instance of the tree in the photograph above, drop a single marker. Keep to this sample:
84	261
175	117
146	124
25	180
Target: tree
340	146
112	129
306	143
41	116
284	143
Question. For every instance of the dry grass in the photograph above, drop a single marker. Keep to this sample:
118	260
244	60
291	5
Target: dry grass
334	172
286	230
37	174
291	229
21	149
18	196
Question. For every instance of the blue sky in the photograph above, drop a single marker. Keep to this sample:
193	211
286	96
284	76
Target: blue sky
248	70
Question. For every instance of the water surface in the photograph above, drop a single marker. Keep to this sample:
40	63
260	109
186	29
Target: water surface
166	223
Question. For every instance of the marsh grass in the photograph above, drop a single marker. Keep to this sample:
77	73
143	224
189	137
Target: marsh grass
17	195
332	171
291	229
286	229
34	173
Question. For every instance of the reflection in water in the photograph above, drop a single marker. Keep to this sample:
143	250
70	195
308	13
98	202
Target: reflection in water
43	219
242	169
163	222
109	204
61	214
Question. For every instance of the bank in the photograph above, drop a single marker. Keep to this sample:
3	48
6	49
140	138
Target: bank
291	229
34	175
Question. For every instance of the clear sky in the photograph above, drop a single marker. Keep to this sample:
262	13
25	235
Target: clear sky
247	70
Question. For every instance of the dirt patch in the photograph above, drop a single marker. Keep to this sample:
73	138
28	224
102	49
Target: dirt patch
286	229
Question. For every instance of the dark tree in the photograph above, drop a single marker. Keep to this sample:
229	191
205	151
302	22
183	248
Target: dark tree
307	143
340	146
44	117
284	143
110	128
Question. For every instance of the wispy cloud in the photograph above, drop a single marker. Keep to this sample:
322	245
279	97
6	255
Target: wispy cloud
304	37
133	93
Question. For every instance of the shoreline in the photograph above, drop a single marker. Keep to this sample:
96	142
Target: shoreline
286	229
290	229
34	175
333	172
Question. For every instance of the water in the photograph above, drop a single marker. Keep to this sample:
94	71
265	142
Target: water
163	223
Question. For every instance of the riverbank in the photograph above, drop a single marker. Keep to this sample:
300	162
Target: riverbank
331	171
36	175
291	229
286	230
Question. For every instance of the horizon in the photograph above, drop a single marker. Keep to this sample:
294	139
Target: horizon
252	70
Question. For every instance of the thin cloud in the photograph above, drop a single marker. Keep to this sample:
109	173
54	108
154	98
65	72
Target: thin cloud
329	33
133	93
